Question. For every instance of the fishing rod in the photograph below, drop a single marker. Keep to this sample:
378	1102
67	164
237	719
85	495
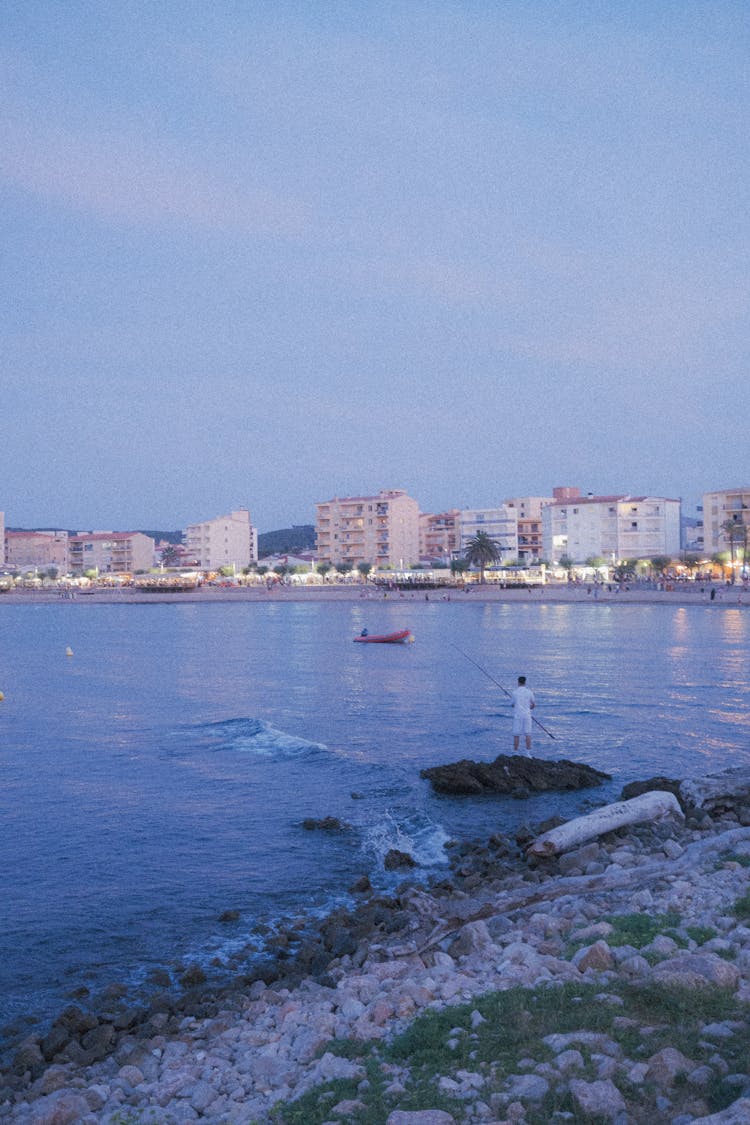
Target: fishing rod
497	684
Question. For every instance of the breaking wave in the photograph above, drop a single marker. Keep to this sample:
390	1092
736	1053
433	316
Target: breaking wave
253	736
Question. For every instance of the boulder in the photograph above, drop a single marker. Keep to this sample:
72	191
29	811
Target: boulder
698	970
512	773
725	791
599	1099
665	784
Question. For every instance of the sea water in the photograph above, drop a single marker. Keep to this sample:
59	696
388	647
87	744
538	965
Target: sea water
159	776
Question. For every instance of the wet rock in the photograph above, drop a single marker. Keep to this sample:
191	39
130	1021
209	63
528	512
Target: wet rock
661	784
325	824
229	916
193	977
511	774
159	978
395	859
99	1041
75	1021
54	1041
28	1057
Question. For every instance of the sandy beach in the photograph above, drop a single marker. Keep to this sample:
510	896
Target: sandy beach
571	594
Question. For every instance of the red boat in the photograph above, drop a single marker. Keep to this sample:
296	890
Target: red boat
403	637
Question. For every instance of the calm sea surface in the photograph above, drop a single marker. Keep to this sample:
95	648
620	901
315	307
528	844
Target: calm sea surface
158	777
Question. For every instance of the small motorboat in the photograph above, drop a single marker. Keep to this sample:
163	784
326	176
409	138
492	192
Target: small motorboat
403	637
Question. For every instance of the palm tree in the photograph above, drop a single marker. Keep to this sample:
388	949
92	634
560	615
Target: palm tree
735	532
482	551
659	564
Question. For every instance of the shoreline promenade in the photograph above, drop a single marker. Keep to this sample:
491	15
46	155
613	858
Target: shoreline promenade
572	594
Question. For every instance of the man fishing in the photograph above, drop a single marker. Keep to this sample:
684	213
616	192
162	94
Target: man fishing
523	705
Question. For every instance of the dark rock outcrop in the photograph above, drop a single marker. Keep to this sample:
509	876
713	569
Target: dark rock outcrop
395	859
510	773
325	824
664	784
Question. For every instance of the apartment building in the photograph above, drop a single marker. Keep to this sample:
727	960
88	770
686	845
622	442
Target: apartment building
382	530
224	541
111	552
501	524
530	542
729	505
611	527
38	549
439	536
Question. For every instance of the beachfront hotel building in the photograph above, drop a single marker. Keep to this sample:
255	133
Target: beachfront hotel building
381	530
38	550
611	527
501	524
530	542
729	505
224	541
439	536
110	552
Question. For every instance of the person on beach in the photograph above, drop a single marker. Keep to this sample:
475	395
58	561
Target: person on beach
523	705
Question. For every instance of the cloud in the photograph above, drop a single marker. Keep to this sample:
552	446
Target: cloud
121	176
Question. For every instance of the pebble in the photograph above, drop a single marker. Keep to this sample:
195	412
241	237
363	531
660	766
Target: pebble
267	1044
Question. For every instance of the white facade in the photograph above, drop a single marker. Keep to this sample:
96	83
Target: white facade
611	527
729	504
224	541
501	524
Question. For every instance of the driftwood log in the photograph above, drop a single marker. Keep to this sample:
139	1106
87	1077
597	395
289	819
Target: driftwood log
649	806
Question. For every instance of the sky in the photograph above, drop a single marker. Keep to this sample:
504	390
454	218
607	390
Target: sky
266	254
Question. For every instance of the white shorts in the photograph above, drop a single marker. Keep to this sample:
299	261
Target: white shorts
522	723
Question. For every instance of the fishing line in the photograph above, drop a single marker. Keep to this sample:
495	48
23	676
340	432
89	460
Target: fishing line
497	684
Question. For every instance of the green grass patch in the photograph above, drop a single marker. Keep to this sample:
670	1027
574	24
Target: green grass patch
741	908
640	929
701	934
440	1043
732	857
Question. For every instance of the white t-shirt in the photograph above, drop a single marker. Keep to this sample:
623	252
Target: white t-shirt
522	697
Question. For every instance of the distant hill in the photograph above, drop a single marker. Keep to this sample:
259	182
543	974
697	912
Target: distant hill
288	541
168	536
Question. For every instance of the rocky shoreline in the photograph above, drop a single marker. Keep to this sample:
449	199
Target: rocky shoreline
641	938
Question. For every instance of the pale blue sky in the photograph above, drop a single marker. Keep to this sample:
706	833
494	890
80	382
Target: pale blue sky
263	254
